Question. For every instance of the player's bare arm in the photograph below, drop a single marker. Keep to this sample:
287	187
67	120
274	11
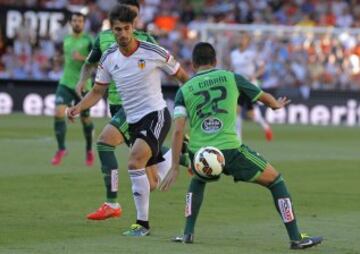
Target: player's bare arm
181	75
177	141
91	98
273	103
86	71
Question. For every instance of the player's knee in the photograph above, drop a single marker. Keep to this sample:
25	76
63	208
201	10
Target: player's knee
135	163
111	136
275	181
268	176
59	113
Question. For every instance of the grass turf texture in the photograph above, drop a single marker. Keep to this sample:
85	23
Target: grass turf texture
43	208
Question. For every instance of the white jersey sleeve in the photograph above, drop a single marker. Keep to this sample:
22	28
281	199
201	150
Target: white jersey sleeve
103	75
168	63
170	66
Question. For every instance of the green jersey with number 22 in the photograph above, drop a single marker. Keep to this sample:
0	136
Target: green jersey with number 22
209	101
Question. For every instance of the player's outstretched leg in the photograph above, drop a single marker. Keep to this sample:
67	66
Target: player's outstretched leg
60	132
88	130
194	199
271	179
108	139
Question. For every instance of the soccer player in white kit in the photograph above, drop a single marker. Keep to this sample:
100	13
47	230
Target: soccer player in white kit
135	67
245	61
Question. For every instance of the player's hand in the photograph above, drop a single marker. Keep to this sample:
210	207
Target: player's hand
72	113
169	179
80	88
282	102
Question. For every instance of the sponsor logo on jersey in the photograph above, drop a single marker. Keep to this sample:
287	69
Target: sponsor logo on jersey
188	200
211	125
116	67
141	64
286	209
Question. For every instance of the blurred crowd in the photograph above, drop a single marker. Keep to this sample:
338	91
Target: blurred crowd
320	61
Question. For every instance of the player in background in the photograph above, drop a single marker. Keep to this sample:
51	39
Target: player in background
245	62
76	47
135	67
208	100
115	132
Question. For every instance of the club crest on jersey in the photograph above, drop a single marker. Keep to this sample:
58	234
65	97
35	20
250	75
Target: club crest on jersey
211	125
141	64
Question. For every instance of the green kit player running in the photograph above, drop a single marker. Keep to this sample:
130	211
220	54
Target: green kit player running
115	132
76	47
209	101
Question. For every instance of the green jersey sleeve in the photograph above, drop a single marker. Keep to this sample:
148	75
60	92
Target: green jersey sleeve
95	53
151	39
143	36
250	90
179	107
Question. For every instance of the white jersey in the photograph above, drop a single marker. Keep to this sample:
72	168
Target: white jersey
244	62
137	77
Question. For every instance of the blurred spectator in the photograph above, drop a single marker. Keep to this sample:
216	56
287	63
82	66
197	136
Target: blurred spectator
314	60
56	71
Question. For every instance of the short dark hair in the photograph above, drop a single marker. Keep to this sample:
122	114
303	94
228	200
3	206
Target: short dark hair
130	2
203	54
122	13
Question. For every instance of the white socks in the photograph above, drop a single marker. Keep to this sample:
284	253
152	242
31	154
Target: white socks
141	192
113	205
164	166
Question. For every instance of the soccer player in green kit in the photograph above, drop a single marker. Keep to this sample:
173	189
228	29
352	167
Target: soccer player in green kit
115	133
76	47
209	101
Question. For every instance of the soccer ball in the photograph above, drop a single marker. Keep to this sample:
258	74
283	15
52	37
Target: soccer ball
209	163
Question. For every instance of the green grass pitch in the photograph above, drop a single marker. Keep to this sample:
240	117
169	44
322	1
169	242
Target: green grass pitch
43	208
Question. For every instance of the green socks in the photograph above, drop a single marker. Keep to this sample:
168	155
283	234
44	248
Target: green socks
278	189
194	199
284	206
109	168
88	134
60	131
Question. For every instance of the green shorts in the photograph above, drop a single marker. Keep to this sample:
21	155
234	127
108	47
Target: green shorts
114	108
119	122
66	96
243	164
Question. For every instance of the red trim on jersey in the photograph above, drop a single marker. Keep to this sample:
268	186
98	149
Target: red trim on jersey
102	84
167	56
131	52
